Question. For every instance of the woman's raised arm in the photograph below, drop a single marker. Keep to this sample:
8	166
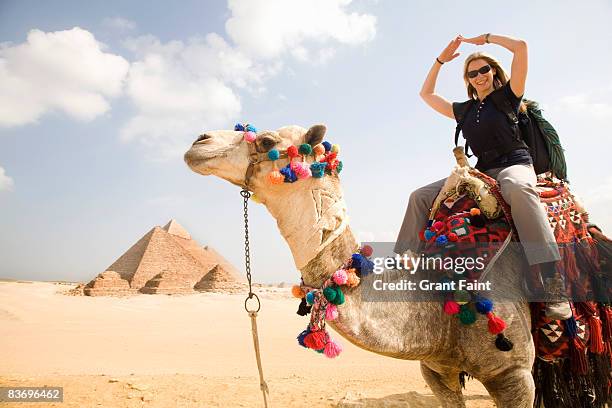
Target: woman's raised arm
437	102
518	47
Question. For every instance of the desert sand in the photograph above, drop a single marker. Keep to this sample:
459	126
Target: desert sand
189	351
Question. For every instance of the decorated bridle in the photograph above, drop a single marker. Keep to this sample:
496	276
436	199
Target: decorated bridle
324	154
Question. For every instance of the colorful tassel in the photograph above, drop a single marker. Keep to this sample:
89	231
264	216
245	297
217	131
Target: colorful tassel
438	226
276	177
297	291
332	349
596	344
339	298
366	251
496	324
503	343
303	308
292	152
273	154
335	148
315	340
317	169
352	278
310	298
484	305
330	293
466	315
340	277
327	146
301	336
250	136
451	307
305	149
331	313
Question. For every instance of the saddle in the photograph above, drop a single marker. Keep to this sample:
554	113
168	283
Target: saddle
469	218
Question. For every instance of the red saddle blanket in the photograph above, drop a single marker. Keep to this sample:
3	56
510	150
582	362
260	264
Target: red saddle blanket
581	345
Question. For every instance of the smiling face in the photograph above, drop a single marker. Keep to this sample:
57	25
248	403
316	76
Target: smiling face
482	82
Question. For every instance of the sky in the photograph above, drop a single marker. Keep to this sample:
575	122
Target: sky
99	100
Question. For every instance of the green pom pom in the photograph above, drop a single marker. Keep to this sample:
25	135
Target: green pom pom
339	296
330	294
466	315
339	166
305	148
462	296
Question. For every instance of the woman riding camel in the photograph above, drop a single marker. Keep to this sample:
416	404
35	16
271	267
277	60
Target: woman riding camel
501	155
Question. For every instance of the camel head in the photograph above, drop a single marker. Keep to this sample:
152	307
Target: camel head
225	153
309	211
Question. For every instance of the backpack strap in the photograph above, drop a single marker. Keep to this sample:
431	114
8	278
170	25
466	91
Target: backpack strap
502	103
460	110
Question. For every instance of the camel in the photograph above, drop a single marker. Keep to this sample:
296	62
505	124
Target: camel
311	216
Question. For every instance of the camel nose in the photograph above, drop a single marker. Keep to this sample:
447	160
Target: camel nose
203	138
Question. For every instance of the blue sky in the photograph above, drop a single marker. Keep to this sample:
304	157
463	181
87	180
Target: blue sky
93	118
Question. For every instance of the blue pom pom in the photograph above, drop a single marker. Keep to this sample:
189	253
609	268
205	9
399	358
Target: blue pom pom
289	174
317	169
327	146
441	240
310	298
367	266
484	305
357	261
429	234
273	154
300	337
251	128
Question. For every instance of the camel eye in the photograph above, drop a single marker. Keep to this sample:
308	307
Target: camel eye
267	143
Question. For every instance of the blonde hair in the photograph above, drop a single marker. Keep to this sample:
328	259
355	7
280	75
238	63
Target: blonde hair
499	79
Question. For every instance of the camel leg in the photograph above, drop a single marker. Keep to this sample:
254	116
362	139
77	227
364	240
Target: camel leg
512	389
445	386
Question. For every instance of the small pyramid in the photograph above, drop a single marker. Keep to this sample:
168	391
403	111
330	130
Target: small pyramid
174	228
218	279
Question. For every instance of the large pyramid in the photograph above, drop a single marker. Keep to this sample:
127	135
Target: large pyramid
165	260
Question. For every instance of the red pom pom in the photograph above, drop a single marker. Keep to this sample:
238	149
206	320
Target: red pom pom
366	250
496	325
451	307
452	237
438	226
315	340
292	151
422	235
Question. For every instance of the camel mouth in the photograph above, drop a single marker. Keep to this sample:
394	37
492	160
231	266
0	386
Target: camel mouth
197	159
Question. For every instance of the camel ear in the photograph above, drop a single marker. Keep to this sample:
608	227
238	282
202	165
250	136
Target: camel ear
315	134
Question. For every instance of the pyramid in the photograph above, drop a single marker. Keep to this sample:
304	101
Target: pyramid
219	280
165	260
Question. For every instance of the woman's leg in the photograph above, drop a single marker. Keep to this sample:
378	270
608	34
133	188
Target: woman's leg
417	213
517	184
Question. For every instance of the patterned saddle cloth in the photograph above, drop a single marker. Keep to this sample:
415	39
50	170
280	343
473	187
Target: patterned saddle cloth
470	218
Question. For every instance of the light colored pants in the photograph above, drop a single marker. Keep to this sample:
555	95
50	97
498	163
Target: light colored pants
517	185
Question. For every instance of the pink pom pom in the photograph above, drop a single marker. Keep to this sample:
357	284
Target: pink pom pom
332	349
451	307
331	313
340	277
302	170
438	226
249	136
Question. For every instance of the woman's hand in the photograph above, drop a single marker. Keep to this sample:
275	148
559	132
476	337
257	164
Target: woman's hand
449	54
480	40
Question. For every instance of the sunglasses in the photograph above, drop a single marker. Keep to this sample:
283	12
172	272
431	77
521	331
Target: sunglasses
483	70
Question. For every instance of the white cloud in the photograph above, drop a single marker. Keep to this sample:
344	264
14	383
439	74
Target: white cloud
268	28
6	183
585	105
182	88
119	23
64	71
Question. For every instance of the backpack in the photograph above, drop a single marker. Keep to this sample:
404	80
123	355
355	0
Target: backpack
539	135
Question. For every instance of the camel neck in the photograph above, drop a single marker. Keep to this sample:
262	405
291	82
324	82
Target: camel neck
329	259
